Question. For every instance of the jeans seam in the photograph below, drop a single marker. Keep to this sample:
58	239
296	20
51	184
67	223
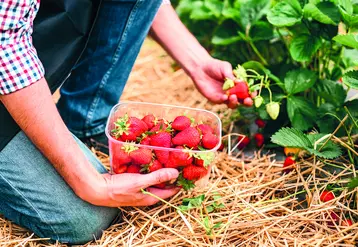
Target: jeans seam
30	204
114	61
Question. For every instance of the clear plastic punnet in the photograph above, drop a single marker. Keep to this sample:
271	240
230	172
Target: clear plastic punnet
121	151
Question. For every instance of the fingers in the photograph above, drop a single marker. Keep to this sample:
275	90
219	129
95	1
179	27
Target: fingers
226	70
232	101
161	193
158	177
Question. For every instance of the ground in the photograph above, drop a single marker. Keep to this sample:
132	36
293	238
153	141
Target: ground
248	201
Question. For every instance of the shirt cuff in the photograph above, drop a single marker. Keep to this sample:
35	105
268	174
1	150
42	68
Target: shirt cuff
19	66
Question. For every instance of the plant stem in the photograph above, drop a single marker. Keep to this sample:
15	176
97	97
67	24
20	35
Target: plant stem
258	53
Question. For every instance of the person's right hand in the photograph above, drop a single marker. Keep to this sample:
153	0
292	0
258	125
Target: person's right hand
125	189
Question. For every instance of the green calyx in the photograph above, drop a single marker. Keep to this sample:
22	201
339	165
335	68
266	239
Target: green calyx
121	126
129	147
240	73
228	84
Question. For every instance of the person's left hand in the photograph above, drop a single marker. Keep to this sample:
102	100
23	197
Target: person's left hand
209	78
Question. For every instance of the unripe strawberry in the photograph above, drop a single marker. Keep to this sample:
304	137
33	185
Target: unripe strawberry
258	100
273	109
248	102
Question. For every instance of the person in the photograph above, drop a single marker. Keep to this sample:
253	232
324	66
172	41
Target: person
51	183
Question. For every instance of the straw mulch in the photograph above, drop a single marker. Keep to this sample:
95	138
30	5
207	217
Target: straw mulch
259	204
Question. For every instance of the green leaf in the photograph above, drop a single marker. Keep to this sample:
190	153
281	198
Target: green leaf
350	20
302	113
350	40
233	14
346	5
226	33
326	122
352	106
185	183
303	47
201	12
353	183
261	31
189	203
330	150
324	12
332	92
351	79
253	10
299	80
290	137
286	13
215	6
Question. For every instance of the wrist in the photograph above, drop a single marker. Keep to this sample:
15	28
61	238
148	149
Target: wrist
195	63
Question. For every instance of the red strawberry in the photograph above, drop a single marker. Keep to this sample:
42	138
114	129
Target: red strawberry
289	161
347	222
149	120
161	139
120	157
260	123
160	125
180	123
160	186
243	141
205	129
199	162
189	137
154	166
326	196
210	141
133	169
248	102
333	219
181	158
145	141
171	163
129	128
141	156
259	138
162	156
118	169
241	90
194	172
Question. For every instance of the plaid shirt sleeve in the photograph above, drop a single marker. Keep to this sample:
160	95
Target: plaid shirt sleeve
19	63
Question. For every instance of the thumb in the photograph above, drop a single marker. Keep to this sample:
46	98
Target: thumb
226	70
159	176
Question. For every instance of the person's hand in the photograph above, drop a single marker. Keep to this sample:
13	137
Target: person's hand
209	78
125	189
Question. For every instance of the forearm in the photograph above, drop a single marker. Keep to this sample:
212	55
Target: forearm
35	112
174	37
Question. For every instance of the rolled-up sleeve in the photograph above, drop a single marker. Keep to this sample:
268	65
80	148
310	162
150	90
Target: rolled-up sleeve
19	63
166	2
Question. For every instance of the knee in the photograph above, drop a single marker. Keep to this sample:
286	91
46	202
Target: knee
83	227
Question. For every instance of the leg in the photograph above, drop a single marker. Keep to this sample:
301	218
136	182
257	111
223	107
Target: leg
33	195
97	81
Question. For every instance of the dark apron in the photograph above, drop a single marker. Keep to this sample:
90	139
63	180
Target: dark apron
61	31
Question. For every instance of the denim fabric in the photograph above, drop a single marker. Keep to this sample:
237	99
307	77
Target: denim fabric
97	81
35	196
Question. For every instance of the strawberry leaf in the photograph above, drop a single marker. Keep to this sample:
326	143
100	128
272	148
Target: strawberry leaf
290	137
329	151
353	183
185	183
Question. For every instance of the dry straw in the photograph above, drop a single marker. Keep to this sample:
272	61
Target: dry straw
262	205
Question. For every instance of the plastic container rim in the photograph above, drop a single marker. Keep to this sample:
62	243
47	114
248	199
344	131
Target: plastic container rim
162	148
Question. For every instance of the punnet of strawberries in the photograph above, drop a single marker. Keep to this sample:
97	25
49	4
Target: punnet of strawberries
150	143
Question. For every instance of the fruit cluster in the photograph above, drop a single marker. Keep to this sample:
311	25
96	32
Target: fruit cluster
183	136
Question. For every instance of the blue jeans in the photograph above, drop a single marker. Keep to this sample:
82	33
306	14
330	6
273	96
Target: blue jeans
97	81
32	193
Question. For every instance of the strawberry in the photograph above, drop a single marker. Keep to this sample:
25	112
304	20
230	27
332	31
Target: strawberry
145	141
205	129
326	196
333	219
118	169
141	156
189	137
181	158
171	163
258	100
154	166
149	120
241	90
289	161
347	222
248	101
180	123
210	141
120	157
192	172
259	138
199	162
162	156
260	123
133	169
161	139
129	128
243	141
160	186
160	125
273	109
